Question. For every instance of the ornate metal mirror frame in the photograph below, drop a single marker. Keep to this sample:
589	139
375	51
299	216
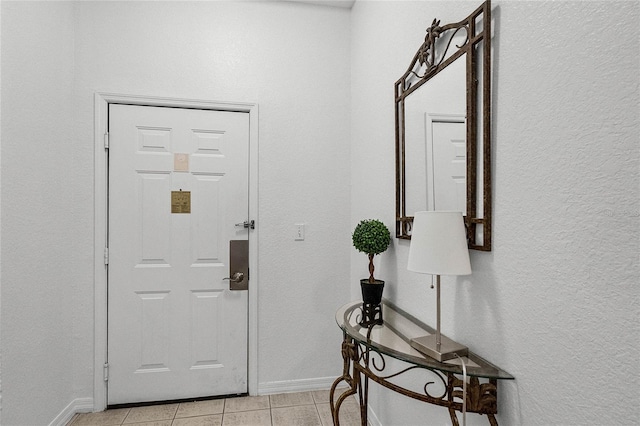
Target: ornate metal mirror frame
472	39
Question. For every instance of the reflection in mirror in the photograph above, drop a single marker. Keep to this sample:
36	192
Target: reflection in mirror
435	143
443	121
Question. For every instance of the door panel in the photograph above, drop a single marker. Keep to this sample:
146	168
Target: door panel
178	182
449	166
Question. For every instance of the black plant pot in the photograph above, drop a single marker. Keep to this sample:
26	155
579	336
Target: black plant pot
371	292
371	299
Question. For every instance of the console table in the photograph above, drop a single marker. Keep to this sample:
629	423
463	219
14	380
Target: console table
367	354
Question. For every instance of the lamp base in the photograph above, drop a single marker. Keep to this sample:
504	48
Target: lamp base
447	349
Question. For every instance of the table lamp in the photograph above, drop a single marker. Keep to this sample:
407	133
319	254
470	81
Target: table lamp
439	247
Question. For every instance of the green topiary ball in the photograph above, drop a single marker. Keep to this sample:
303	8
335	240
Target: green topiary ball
371	236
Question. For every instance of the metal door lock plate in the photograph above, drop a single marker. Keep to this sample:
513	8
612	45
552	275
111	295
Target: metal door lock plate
238	265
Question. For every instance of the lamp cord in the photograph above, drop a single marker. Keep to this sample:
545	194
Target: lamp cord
464	391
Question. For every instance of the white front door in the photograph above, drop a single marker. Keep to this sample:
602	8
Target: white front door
449	164
178	184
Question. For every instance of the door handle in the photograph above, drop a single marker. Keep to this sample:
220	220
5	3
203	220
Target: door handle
238	265
236	278
247	224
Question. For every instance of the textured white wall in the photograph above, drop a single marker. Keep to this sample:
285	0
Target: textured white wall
0	217
559	287
556	301
292	59
42	260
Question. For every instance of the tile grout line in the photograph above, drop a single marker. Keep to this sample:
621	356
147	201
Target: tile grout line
270	412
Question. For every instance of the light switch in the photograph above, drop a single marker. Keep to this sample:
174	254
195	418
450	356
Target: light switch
298	232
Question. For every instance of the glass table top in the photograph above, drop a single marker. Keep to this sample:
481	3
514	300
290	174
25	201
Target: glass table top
394	336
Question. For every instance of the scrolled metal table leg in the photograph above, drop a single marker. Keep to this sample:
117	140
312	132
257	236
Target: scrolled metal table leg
454	418
335	407
364	401
348	356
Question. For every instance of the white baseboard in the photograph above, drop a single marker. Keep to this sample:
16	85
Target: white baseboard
78	405
286	386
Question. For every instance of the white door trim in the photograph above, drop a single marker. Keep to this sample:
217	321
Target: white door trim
101	109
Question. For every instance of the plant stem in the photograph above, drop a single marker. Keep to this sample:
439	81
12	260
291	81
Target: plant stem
371	268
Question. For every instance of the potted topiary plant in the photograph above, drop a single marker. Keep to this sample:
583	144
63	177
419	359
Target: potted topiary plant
371	237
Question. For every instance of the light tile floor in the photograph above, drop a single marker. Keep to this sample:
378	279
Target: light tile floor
287	409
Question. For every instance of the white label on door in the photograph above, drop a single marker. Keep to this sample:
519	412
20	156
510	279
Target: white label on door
180	162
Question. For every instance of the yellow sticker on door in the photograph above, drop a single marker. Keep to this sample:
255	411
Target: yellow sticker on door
180	201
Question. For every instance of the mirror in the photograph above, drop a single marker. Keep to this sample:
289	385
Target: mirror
443	146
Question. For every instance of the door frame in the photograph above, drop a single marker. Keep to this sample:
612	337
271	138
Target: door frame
101	117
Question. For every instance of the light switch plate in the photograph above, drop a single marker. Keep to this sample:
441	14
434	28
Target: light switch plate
298	233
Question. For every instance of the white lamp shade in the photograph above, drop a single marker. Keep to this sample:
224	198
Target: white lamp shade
439	244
